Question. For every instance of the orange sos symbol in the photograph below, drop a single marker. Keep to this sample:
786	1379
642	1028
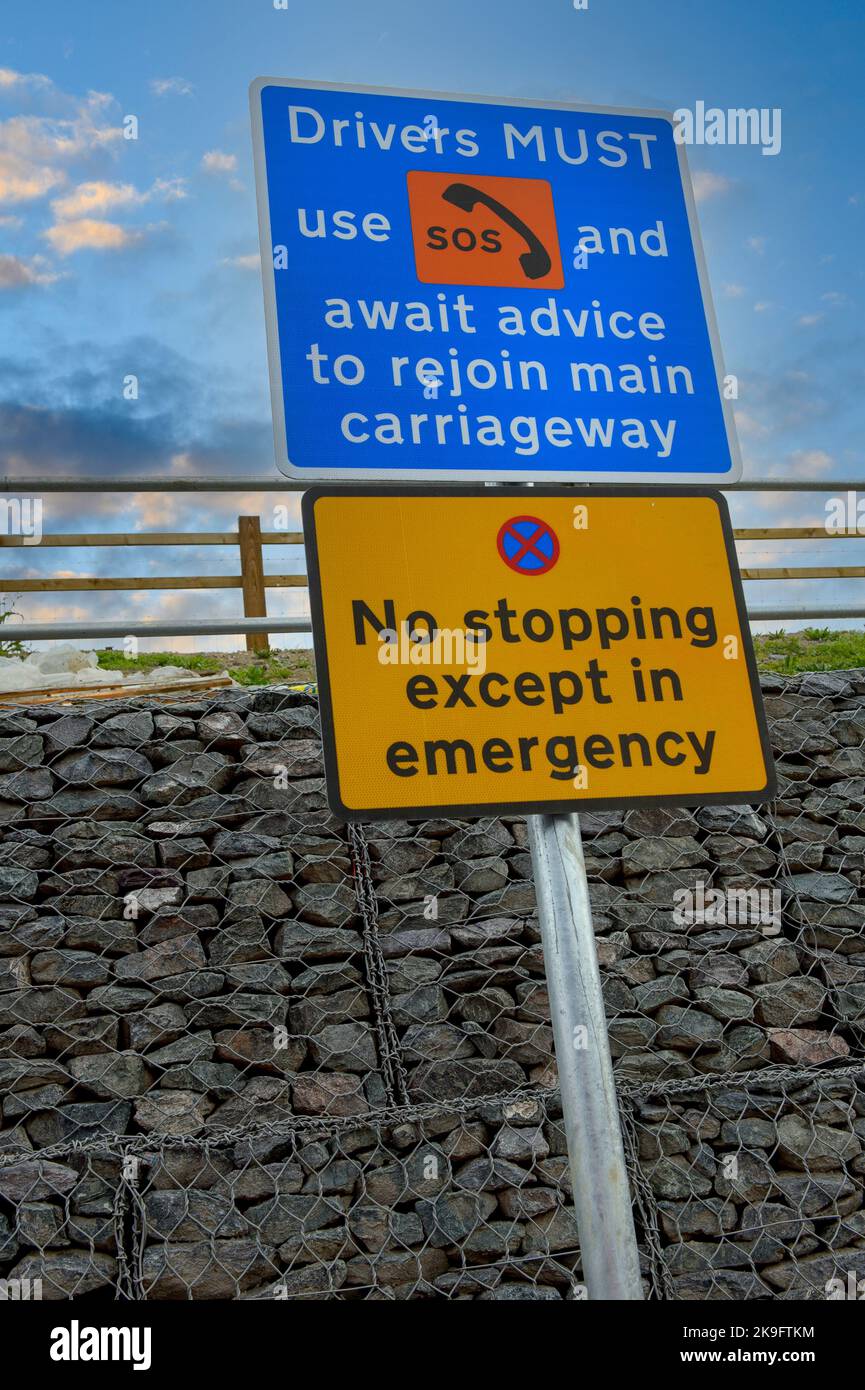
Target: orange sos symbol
484	231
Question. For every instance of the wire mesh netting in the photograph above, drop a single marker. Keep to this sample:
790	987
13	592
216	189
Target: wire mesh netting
249	1052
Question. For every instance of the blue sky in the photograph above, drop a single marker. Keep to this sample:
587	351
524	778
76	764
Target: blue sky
122	257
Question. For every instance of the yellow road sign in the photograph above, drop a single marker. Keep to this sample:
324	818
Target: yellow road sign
531	649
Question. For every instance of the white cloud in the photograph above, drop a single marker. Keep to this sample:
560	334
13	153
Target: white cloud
154	511
100	196
809	320
756	243
171	86
250	262
762	305
11	80
90	234
171	190
35	149
22	181
734	291
95	196
806	463
43	150
218	162
16	272
748	427
708	185
87	128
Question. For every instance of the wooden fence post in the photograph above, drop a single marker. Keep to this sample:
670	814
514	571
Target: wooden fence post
252	579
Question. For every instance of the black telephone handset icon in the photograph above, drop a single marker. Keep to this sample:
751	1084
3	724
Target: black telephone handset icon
536	260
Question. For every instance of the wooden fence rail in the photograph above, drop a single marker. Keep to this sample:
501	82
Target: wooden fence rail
59	541
254	582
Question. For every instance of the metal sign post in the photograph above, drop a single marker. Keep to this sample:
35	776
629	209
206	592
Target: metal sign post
384	215
601	1195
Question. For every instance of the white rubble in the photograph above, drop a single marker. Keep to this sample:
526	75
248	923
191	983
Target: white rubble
162	673
62	658
63	665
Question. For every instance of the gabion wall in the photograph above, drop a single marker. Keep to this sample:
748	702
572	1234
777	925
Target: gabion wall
246	1051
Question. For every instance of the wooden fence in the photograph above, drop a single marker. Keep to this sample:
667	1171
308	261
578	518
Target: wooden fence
254	583
252	580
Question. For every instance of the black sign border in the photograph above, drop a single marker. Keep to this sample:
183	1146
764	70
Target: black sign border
463	810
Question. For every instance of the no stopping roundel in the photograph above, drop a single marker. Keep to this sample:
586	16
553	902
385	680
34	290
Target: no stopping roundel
528	545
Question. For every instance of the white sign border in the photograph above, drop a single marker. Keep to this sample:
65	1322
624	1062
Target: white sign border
326	474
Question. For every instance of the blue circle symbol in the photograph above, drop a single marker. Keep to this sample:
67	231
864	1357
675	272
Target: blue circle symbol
528	545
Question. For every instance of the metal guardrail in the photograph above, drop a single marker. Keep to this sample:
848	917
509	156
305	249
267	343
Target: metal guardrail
196	627
28	486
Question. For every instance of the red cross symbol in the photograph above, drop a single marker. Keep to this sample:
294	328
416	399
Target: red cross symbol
528	545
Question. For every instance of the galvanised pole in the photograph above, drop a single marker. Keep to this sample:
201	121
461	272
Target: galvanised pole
601	1193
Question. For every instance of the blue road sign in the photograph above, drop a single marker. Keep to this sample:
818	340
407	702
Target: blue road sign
467	288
